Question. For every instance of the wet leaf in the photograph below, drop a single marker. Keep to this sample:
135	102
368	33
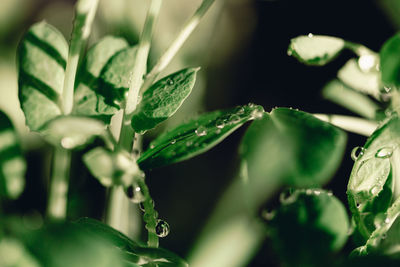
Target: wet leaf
197	136
42	56
163	99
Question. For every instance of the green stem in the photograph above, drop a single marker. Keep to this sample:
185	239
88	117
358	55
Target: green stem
126	137
184	34
351	124
57	207
85	11
150	215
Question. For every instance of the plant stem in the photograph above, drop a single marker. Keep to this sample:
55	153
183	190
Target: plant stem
352	124
57	206
186	31
150	215
85	11
126	136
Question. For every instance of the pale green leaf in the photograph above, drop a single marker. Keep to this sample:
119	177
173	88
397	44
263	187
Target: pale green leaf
315	49
42	58
86	97
116	76
163	99
70	132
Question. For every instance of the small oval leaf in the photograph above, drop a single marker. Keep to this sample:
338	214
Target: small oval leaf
86	97
42	58
12	162
197	136
163	99
315	49
70	132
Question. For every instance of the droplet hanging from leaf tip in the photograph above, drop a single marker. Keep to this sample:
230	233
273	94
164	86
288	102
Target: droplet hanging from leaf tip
357	152
162	228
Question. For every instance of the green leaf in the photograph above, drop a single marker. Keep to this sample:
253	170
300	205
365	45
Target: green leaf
315	49
86	97
14	254
290	147
362	80
111	167
42	60
12	162
339	93
309	226
132	251
116	75
371	177
197	136
163	99
390	62
70	132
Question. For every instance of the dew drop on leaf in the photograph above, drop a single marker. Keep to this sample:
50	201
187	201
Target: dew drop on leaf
170	81
134	193
357	152
173	142
375	190
268	215
234	118
162	228
384	152
286	196
220	123
257	113
201	131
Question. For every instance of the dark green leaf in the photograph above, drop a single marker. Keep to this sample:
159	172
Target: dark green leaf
12	162
163	99
87	99
71	132
116	75
111	167
42	58
290	147
132	251
308	226
315	49
197	136
390	61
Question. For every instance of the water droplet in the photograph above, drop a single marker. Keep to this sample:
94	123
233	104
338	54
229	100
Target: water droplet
367	62
289	52
286	197
384	236
375	190
268	214
234	118
152	146
379	219
141	207
189	143
357	152
384	152
310	35
68	143
358	205
257	113
201	131
240	111
317	192
173	142
134	193
220	123
135	152
162	228
309	191
170	81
